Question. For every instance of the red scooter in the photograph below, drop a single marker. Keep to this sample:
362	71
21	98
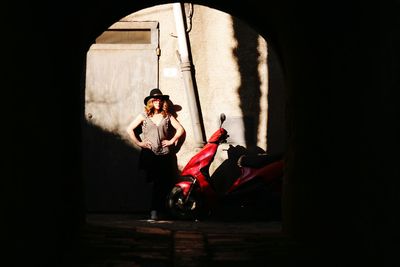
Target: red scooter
256	191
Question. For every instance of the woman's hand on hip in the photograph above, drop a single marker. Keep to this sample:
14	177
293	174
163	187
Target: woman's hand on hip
166	143
145	144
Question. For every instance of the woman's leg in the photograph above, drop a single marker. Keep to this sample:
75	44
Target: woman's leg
163	178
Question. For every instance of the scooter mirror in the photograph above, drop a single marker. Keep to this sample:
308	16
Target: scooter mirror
222	118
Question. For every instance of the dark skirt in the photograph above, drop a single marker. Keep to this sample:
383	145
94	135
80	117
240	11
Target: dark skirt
158	166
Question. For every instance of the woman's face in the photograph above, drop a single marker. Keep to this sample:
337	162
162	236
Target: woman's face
157	103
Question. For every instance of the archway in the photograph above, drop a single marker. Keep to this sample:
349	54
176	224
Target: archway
237	73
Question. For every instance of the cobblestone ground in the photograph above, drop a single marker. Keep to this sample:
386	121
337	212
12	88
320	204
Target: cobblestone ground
129	240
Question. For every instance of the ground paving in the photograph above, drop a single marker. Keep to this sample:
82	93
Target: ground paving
115	240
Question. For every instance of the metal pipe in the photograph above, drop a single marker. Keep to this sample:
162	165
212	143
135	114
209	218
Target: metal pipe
186	69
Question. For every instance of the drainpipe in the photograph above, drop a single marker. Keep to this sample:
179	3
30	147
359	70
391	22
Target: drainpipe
186	69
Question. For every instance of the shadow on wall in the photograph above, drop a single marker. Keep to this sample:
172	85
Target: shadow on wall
111	174
247	56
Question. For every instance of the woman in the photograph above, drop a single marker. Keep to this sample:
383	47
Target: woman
157	157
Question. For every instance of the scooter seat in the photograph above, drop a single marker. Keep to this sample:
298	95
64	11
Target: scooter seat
257	161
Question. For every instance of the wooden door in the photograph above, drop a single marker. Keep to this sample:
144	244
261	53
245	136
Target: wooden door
121	68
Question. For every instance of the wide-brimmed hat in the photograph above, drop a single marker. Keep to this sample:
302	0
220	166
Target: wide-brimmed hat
155	93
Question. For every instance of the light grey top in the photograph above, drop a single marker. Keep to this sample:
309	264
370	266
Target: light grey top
156	133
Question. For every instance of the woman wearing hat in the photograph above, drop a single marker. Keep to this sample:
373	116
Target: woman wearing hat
157	157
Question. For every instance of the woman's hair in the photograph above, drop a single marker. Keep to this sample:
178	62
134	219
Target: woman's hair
149	108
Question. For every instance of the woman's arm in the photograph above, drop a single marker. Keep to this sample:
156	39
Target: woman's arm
132	135
179	132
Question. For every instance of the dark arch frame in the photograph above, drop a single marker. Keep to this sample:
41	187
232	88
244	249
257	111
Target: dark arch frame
341	73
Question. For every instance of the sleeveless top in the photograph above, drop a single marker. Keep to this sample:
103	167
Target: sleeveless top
156	133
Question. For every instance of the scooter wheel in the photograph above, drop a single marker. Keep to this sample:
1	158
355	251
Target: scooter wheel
180	209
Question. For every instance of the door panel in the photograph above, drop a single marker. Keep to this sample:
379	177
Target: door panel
118	77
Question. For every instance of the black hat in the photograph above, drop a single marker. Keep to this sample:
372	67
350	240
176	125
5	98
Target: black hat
155	93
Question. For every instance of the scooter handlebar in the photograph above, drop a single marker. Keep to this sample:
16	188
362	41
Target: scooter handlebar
224	139
219	136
